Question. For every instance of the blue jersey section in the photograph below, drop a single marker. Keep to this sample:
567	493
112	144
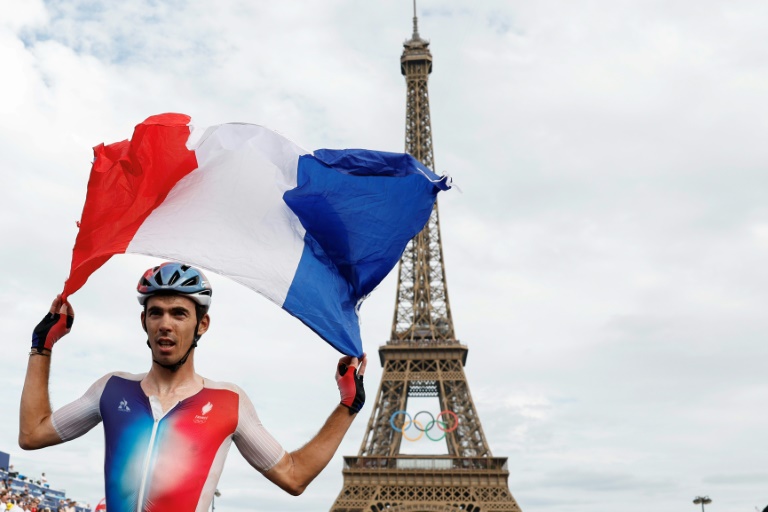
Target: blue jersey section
128	423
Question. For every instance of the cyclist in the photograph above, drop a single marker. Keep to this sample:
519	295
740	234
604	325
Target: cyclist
168	431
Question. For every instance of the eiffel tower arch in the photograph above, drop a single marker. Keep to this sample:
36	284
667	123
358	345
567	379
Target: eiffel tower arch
423	358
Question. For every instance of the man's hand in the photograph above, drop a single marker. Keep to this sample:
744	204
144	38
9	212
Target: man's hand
349	378
55	325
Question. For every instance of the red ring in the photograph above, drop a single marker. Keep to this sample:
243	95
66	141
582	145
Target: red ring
455	422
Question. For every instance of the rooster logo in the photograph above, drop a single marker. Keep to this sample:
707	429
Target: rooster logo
207	408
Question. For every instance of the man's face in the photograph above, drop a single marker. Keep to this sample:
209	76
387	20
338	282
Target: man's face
170	324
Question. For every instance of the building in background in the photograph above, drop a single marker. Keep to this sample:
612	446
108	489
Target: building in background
423	358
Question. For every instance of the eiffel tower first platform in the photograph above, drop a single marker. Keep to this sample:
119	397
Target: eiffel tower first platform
423	358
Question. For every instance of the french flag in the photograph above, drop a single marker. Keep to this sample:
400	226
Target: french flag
313	232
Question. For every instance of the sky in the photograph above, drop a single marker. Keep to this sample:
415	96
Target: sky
605	256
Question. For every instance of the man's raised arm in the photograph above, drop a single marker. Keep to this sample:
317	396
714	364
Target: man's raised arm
297	469
35	425
294	471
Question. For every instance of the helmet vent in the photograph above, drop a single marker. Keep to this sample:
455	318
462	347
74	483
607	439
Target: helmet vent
174	278
190	282
158	279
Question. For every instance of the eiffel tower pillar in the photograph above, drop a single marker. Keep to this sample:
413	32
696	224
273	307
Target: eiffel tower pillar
423	358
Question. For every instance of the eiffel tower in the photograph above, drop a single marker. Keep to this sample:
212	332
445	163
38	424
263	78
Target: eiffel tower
423	358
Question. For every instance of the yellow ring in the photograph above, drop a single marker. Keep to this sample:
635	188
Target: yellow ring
421	432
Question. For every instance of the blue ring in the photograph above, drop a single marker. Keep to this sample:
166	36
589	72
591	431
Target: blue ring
392	420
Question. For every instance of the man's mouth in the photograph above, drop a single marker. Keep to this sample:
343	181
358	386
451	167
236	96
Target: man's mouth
165	343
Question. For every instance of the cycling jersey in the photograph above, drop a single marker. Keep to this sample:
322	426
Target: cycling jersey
167	460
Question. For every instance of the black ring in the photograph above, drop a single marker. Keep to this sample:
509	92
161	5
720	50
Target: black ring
430	423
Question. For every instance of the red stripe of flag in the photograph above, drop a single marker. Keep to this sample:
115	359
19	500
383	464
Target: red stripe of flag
129	179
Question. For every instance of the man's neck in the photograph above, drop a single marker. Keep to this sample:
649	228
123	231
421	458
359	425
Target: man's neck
163	382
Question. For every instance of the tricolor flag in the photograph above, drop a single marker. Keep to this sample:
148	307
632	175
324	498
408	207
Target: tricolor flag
313	232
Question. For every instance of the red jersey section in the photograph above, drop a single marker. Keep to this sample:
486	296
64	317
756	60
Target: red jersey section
188	440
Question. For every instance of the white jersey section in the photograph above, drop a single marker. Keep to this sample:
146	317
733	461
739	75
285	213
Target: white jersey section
255	443
228	215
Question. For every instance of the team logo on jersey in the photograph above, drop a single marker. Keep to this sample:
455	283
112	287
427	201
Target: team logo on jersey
204	417
123	406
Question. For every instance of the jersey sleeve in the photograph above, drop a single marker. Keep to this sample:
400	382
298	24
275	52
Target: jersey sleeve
255	443
78	417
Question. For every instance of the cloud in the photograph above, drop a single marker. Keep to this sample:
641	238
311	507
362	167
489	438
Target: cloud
594	481
735	479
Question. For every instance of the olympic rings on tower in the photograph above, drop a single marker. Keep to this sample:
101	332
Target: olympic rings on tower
408	422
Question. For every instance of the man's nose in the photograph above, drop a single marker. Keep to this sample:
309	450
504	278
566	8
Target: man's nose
165	323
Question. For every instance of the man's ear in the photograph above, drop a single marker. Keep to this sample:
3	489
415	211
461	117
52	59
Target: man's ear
144	320
205	323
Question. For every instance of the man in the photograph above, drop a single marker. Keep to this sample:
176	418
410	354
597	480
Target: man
167	432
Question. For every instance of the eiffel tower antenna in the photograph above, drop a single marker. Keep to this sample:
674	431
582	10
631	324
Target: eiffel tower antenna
415	23
423	358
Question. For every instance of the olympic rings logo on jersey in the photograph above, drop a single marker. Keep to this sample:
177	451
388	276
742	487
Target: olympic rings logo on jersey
448	418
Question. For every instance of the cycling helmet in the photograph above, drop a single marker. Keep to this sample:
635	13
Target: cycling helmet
175	278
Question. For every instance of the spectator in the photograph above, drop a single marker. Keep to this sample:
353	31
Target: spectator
13	504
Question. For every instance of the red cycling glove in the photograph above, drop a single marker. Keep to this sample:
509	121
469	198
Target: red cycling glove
52	328
351	387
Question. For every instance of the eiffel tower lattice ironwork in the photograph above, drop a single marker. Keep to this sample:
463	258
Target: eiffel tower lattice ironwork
423	358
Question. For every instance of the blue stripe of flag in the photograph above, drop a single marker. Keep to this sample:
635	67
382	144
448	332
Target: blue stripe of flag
359	208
